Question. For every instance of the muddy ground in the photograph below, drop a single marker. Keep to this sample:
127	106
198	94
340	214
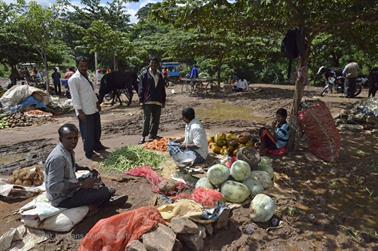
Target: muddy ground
322	206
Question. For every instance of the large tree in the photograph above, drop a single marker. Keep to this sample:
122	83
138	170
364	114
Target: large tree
267	18
41	31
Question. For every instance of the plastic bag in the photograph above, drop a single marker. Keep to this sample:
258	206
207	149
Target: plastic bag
181	158
114	233
323	137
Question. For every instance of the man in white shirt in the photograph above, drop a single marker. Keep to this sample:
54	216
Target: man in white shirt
351	73
241	85
195	139
87	109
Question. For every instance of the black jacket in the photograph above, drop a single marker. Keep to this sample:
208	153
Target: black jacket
147	90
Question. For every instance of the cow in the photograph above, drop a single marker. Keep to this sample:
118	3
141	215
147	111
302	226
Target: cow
118	82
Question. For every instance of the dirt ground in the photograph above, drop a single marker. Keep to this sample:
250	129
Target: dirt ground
322	206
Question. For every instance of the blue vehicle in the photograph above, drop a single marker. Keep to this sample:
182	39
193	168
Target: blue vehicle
173	69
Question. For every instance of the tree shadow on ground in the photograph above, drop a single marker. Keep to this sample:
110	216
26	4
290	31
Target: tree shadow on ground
330	198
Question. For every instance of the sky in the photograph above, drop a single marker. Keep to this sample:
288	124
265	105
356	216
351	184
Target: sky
132	8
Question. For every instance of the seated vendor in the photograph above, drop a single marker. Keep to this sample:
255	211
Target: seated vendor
63	188
280	137
240	85
195	139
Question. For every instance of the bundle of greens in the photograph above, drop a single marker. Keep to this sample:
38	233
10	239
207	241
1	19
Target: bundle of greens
129	157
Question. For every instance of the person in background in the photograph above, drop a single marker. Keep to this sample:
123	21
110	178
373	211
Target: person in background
280	136
56	80
14	76
195	139
63	188
87	107
152	96
194	72
373	82
240	85
351	73
99	75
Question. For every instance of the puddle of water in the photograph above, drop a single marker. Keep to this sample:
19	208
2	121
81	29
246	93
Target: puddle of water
223	111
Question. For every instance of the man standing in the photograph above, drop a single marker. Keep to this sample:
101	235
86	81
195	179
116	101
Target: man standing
87	109
151	90
195	139
351	73
194	72
63	188
56	80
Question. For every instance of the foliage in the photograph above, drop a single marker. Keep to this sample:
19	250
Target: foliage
129	157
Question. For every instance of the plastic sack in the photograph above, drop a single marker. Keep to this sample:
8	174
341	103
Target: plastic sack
18	93
115	232
39	213
318	125
181	158
62	222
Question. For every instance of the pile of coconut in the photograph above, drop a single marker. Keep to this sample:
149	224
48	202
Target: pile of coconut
242	180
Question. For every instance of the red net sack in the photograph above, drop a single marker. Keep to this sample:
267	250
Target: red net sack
149	174
114	233
206	197
318	125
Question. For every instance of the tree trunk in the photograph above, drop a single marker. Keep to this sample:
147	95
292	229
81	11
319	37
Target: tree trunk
46	73
300	83
115	65
96	65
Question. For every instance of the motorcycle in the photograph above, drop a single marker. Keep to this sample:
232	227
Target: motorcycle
335	80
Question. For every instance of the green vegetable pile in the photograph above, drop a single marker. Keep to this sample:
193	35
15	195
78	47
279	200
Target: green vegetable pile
129	157
4	123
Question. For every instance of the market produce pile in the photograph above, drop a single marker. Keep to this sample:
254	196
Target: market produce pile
130	157
241	182
230	143
157	145
358	117
20	119
27	177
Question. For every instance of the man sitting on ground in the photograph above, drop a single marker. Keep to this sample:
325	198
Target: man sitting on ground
63	188
195	139
240	85
280	137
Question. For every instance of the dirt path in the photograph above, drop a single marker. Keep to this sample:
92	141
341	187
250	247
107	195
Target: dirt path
323	206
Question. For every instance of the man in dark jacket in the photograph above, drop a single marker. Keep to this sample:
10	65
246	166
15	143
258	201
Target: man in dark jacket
151	85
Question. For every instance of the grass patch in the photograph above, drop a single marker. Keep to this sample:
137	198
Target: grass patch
127	158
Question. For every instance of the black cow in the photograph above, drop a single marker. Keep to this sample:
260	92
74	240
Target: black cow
116	83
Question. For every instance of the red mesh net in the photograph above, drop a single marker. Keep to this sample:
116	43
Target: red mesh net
318	125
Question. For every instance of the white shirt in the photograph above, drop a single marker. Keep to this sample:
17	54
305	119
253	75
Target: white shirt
195	134
83	96
154	76
242	84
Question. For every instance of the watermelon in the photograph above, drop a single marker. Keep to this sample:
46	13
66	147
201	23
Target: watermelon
254	186
266	165
263	177
240	170
235	192
262	208
204	182
217	174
